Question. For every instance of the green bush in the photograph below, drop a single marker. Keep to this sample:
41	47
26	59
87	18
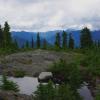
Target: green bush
8	85
52	92
91	63
19	73
69	72
98	93
97	96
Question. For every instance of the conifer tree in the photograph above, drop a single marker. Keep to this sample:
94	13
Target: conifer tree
38	40
53	92
64	40
1	37
97	97
66	93
86	38
45	92
32	43
71	41
44	44
8	85
98	43
27	44
95	44
7	35
57	41
15	45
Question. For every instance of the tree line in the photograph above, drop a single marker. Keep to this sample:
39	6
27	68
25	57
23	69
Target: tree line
62	41
66	41
86	40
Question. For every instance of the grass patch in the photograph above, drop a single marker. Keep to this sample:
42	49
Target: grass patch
19	73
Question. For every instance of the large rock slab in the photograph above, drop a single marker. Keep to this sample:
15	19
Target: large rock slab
45	76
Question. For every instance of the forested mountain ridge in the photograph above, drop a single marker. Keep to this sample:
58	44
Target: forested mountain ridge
23	36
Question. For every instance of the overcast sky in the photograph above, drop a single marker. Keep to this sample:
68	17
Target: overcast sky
44	15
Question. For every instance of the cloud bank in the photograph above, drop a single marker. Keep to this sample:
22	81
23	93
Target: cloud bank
45	15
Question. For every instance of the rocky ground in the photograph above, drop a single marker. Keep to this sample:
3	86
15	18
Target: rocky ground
9	95
33	62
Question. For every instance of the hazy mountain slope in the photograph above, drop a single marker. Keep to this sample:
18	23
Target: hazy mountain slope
23	36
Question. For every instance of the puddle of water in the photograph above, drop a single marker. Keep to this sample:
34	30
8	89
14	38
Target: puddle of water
85	93
27	85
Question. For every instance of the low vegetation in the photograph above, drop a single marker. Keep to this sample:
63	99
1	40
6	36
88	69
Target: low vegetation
70	80
8	85
98	93
53	92
68	73
19	73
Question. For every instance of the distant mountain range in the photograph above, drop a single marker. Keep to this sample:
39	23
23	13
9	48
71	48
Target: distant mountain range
23	36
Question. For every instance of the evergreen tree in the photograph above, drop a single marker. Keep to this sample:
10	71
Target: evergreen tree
98	43
66	93
44	44
97	93
64	40
69	75
15	45
38	40
7	35
8	85
51	91
1	36
86	38
45	92
71	41
95	44
32	43
57	41
27	44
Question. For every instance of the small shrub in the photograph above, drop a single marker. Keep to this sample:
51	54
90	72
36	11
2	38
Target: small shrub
52	92
8	85
98	93
68	73
19	73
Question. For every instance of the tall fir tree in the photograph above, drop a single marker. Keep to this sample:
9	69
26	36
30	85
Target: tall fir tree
86	38
32	43
15	45
1	37
98	43
95	44
64	40
27	46
7	35
44	43
38	40
71	41
57	41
